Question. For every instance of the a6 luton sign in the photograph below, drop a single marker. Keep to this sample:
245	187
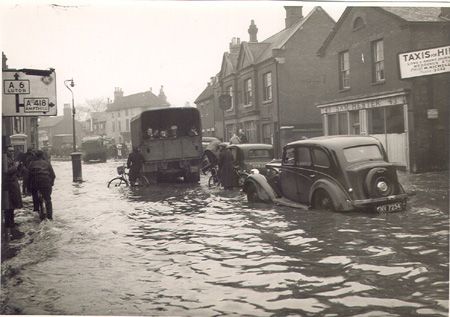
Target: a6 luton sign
29	92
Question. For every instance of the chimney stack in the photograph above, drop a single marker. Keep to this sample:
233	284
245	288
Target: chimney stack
253	30
118	93
293	15
235	45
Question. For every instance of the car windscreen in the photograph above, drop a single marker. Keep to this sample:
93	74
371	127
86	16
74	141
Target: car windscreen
363	153
258	154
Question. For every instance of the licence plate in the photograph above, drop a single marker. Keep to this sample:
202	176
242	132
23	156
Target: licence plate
390	207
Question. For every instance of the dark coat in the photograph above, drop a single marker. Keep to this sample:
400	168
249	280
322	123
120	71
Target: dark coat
226	168
134	163
12	198
40	174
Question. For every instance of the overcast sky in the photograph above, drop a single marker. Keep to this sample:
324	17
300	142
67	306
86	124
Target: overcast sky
134	45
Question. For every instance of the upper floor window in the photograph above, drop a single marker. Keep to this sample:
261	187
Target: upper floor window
344	70
127	125
358	23
119	126
118	113
267	82
112	114
248	91
230	93
378	61
113	127
126	112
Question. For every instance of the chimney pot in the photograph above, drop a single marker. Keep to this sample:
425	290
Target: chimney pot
253	30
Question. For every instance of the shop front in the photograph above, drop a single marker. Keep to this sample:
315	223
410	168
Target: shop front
384	117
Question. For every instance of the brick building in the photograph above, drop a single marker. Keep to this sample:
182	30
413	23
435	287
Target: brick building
120	112
208	105
363	92
273	83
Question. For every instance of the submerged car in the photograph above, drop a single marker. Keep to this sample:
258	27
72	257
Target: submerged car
339	173
250	156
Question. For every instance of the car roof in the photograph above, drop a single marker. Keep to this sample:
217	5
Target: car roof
337	141
252	146
209	138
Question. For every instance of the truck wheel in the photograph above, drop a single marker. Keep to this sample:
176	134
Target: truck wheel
252	194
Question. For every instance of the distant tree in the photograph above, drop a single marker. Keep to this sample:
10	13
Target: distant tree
90	105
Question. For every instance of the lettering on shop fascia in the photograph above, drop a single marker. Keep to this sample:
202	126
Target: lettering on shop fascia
364	104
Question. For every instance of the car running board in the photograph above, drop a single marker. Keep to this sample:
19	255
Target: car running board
289	203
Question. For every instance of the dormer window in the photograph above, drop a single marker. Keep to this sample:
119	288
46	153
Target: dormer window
358	24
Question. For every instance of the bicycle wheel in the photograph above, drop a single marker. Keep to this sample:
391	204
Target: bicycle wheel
117	182
213	181
141	181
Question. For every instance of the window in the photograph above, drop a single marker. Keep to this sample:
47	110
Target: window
355	127
119	126
118	113
248	91
320	158
343	123
363	153
344	70
378	61
358	24
267	133
332	124
289	157
304	156
127	125
230	93
386	119
267	82
113	127
250	130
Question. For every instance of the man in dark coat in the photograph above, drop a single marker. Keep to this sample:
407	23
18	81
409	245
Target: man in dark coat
134	163
27	158
11	196
41	177
226	168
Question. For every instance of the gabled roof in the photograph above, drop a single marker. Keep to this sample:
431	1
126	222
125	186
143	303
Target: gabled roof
98	116
143	99
403	14
229	62
206	94
261	51
48	122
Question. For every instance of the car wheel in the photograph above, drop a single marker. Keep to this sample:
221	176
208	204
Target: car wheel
323	201
252	194
378	184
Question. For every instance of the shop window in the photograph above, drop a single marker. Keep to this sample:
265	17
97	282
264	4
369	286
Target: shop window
386	120
344	70
304	156
343	123
378	61
355	127
267	82
332	124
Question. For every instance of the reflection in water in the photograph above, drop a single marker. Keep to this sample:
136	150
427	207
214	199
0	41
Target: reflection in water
183	249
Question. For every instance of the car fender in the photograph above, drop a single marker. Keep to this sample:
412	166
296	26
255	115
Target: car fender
341	199
265	191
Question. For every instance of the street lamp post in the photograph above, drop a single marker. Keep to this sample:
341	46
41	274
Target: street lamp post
76	156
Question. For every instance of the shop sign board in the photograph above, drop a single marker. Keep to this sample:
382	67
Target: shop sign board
361	104
425	62
28	92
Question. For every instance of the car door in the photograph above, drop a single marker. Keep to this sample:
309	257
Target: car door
286	178
305	174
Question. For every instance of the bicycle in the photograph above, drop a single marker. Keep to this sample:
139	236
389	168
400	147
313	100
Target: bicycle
214	179
124	180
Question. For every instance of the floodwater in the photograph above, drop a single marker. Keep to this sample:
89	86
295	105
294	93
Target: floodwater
187	250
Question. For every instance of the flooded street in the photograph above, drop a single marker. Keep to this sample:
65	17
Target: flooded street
188	250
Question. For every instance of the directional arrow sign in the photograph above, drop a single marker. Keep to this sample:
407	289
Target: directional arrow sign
29	93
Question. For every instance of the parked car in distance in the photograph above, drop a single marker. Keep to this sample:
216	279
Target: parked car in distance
339	173
248	156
